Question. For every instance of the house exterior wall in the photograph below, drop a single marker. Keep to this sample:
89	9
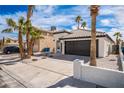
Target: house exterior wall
57	42
103	45
47	41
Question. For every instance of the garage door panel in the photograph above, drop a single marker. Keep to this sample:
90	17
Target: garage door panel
81	47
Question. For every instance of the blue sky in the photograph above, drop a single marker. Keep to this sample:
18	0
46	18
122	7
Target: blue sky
109	20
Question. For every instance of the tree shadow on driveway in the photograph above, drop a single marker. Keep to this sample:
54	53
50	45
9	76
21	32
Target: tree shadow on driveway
72	82
9	59
71	57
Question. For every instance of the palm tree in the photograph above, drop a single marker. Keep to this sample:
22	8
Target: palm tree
118	35
29	14
83	24
35	34
13	27
78	19
94	12
3	41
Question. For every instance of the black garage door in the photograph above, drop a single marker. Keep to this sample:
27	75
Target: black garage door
81	47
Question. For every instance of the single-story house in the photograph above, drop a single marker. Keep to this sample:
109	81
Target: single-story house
8	42
78	43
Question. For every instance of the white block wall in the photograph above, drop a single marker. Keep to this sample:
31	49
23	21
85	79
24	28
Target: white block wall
99	76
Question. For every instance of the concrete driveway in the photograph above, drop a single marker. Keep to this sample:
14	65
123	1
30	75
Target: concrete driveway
52	72
49	72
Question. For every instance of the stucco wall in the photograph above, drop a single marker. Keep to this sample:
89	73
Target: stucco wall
56	38
47	41
99	76
107	46
101	47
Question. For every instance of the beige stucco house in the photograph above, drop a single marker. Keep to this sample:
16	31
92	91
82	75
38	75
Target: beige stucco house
76	42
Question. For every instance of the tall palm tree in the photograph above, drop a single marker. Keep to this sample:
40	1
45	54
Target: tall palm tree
94	12
118	35
3	41
16	27
78	19
83	24
35	34
29	14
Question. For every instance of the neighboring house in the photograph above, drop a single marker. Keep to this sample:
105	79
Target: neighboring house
57	35
46	42
78	43
10	42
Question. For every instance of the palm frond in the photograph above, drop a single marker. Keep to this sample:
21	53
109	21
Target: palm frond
83	24
78	18
21	20
24	29
8	30
11	22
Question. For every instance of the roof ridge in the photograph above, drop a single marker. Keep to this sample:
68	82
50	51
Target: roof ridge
87	30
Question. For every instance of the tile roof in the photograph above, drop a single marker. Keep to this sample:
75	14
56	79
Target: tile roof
58	32
85	34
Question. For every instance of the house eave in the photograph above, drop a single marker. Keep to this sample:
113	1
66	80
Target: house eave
82	37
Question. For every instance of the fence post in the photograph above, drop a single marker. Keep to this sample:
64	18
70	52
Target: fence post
77	69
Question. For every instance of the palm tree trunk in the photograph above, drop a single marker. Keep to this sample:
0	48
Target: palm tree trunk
32	44
28	42
21	48
78	25
93	42
28	30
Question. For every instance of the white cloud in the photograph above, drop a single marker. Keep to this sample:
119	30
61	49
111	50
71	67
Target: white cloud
105	22
106	11
46	16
